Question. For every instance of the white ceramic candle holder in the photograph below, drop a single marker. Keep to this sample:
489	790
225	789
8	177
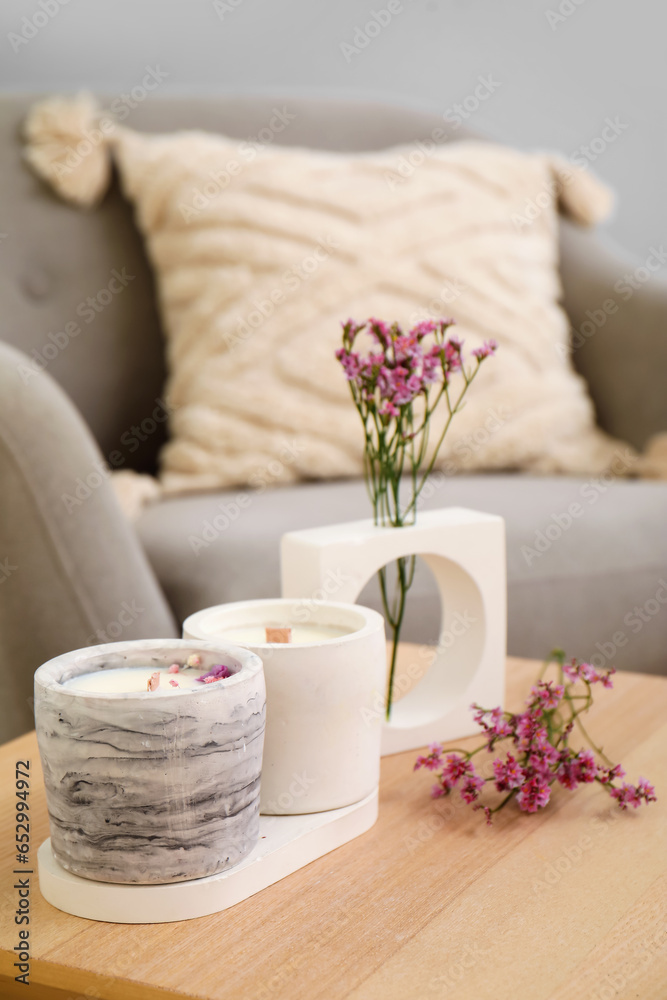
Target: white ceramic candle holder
152	786
465	550
322	745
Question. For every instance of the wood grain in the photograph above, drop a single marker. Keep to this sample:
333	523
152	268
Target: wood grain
430	903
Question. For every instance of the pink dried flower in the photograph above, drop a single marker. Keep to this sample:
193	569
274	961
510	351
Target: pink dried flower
351	363
607	775
380	330
426	327
548	693
588	673
432	760
218	673
634	795
388	409
396	388
646	790
579	769
471	786
540	752
586	765
497	724
533	795
488	348
626	795
527	729
508	773
174	668
457	769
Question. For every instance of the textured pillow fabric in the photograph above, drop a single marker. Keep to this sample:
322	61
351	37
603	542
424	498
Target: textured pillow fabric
261	252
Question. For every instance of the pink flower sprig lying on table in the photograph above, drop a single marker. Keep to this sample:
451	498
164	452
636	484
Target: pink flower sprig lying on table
538	751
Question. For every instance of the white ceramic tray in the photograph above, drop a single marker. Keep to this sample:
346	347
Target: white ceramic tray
286	844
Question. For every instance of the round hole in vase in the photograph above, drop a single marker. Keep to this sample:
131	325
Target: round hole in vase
435	680
423	610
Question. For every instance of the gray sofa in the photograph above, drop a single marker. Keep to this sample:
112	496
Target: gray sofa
71	574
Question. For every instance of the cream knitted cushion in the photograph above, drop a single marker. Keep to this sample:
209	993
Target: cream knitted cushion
260	253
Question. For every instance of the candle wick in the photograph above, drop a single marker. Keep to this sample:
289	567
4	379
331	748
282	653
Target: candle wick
282	633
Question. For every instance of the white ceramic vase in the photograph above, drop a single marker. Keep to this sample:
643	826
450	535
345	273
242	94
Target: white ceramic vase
323	727
465	550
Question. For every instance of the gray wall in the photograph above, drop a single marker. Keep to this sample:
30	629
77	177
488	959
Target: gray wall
560	68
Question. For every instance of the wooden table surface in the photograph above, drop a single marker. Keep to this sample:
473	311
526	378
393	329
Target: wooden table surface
570	904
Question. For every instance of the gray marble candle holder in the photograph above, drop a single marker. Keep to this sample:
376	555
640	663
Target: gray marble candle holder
148	787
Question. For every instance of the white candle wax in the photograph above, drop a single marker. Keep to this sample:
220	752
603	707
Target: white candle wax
132	679
256	634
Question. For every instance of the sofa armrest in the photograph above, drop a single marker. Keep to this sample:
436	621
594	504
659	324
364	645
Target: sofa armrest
618	310
72	571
